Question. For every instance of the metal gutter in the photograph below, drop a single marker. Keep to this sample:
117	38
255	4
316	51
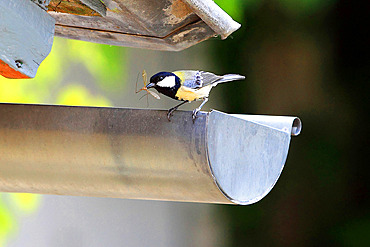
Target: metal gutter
137	153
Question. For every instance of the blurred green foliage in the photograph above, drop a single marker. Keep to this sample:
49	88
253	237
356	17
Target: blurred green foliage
6	222
105	63
12	205
309	59
235	8
25	202
76	94
304	8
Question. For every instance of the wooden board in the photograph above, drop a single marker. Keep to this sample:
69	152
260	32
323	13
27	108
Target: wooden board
150	24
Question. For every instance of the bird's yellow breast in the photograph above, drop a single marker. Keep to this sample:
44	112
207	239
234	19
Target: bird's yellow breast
189	94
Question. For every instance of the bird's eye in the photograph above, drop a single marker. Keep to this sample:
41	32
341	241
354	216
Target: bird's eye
161	78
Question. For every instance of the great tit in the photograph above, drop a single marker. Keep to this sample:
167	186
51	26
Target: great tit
188	86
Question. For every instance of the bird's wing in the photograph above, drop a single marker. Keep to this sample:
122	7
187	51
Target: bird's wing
209	78
196	79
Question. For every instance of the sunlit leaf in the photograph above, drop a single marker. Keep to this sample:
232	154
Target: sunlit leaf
7	223
76	94
26	202
105	63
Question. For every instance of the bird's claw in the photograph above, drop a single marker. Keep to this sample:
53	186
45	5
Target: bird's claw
170	113
194	115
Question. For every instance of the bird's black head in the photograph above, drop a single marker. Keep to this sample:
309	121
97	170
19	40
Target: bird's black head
166	83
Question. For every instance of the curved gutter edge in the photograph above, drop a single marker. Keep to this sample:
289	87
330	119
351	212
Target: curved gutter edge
231	201
247	175
291	125
214	17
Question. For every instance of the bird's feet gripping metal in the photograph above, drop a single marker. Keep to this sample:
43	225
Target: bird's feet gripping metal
170	113
195	112
194	115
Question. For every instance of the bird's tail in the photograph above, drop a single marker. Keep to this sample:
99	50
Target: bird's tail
230	77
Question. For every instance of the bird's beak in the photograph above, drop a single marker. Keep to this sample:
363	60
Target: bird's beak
150	85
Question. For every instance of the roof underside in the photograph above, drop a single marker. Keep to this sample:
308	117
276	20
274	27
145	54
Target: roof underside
152	24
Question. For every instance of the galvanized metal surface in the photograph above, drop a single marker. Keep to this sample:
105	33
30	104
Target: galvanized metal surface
247	158
134	153
106	152
161	25
26	37
291	125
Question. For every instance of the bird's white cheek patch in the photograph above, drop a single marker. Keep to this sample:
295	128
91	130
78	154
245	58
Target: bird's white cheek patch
168	81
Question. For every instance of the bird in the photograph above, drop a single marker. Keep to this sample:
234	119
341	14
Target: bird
188	86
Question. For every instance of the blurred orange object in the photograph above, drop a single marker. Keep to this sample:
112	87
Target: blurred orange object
9	72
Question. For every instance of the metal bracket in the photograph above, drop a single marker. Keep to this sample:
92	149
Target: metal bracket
136	153
42	3
27	33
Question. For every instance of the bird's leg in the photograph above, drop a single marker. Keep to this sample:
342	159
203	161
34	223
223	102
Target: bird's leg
170	111
198	109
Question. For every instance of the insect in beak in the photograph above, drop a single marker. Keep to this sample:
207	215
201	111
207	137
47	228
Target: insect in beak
145	88
150	85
